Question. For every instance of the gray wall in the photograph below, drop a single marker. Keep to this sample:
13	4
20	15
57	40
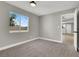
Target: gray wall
50	25
7	38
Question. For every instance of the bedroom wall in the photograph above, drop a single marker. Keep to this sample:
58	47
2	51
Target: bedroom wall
50	25
7	38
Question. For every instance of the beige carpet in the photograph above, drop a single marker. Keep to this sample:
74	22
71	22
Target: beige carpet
40	48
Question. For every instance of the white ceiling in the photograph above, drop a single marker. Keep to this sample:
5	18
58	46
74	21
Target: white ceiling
45	7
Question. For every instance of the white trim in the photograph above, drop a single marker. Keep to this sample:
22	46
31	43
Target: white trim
17	44
20	43
75	28
18	31
50	39
61	29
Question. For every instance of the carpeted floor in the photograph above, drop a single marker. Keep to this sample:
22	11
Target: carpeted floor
40	48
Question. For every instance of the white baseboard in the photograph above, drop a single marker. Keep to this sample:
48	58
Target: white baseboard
20	43
50	40
17	44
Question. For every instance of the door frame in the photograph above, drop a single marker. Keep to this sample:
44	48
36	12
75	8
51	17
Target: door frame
75	28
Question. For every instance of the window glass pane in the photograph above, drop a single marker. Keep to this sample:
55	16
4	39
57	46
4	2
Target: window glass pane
14	21
24	22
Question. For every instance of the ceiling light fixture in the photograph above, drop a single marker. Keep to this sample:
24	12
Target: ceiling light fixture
33	3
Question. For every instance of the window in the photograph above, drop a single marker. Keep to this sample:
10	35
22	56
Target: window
18	22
